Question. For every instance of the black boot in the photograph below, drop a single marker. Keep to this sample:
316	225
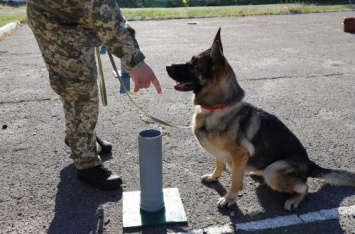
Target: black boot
105	147
100	177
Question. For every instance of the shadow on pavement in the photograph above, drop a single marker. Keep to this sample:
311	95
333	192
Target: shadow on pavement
78	208
216	186
327	197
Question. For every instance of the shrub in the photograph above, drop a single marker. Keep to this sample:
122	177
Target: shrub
182	3
130	3
174	3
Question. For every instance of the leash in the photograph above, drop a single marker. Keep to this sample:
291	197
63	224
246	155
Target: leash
102	86
116	75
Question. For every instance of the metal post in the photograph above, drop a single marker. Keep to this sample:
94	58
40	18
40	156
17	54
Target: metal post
150	166
153	205
125	79
123	74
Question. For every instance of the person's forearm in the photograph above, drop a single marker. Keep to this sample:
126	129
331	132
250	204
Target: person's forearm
106	19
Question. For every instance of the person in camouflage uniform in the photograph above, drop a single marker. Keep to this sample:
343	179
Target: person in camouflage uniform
67	33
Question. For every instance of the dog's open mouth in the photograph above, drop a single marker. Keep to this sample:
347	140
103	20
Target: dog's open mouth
188	86
182	75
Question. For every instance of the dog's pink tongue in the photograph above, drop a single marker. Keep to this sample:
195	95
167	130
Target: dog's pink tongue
179	85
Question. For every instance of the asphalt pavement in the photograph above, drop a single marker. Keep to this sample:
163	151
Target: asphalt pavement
299	67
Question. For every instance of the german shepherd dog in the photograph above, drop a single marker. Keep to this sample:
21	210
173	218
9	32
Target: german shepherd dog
243	136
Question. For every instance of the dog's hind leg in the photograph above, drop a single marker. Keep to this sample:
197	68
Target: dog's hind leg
220	167
281	177
257	176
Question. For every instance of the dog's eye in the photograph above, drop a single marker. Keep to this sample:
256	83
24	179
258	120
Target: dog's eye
195	66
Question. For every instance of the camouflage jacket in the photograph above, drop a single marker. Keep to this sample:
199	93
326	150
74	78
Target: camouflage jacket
102	21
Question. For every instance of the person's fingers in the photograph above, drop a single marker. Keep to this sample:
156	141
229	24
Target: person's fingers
146	85
143	76
136	87
156	84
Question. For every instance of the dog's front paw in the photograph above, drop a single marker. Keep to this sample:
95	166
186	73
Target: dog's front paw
209	178
223	202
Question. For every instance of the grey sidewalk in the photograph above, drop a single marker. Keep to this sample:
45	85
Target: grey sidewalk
299	67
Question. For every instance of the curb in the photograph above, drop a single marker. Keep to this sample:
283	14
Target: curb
7	28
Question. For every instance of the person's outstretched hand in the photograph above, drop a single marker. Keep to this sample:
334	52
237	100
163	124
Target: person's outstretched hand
142	76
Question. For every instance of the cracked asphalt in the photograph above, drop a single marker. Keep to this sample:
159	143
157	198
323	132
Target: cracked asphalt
299	67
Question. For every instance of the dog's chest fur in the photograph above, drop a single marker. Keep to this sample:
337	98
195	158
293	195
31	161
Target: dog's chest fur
212	129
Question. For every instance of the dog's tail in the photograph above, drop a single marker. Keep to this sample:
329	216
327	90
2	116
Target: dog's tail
333	177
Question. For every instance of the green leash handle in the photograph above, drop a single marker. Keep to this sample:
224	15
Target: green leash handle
102	86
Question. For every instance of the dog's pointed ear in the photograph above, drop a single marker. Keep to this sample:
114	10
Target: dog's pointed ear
217	49
218	38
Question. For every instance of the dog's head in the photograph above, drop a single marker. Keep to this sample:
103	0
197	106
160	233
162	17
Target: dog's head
209	76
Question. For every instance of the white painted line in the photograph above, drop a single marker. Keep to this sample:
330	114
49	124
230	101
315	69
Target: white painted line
281	221
289	220
211	230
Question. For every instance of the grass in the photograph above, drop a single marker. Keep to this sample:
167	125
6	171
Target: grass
9	14
8	18
190	12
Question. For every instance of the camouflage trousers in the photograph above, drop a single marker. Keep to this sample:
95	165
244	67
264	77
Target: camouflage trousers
69	54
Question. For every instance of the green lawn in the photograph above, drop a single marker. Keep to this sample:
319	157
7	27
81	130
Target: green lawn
8	18
9	14
190	12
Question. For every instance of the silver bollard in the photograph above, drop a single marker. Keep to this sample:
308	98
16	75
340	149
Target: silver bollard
150	166
125	79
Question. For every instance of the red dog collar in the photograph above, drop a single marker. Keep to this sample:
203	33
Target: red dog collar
216	107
